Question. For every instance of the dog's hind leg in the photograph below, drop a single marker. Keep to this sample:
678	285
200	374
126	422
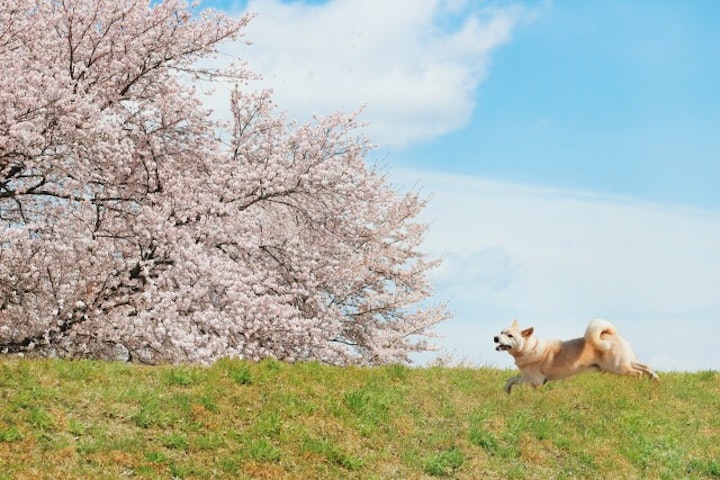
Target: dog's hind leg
632	368
641	368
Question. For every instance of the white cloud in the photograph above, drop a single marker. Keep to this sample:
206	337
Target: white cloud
555	259
413	64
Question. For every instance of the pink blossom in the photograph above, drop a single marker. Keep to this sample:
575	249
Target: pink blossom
129	226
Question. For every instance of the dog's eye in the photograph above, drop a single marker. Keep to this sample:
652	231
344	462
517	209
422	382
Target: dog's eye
510	335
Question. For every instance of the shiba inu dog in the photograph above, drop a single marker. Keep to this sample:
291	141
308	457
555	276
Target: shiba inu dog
539	360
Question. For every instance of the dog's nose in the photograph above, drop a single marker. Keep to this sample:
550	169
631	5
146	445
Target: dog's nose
496	339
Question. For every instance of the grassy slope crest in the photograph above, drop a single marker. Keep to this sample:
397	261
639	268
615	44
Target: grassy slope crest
84	419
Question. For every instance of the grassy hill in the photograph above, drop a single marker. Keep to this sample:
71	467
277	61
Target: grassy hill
81	419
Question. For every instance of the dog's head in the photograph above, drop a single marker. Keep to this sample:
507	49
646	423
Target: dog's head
512	339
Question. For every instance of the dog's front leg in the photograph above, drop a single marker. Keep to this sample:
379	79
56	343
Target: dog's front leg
512	381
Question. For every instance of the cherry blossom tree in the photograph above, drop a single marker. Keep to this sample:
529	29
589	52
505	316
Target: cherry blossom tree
132	227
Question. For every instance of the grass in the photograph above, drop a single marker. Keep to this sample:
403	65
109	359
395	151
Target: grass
83	419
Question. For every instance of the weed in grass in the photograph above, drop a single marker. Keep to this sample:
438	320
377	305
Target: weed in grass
181	404
271	366
175	441
154	412
483	438
397	371
22	398
180	471
707	375
296	405
76	428
10	435
327	448
73	371
180	376
542	428
40	419
211	441
89	447
267	424
156	457
240	374
230	465
444	464
261	450
705	468
518	472
208	402
370	407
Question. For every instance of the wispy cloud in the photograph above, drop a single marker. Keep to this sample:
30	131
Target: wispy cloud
414	65
555	259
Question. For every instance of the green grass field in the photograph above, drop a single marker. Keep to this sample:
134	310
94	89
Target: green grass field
237	420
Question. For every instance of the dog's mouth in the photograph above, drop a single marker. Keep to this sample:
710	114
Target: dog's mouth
503	348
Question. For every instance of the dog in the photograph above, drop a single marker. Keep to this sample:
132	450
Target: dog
539	360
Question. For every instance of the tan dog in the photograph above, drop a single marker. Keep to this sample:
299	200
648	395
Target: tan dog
541	360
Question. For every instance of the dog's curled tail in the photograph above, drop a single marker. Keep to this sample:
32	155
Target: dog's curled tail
596	332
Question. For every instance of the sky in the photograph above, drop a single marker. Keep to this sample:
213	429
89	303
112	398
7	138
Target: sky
569	151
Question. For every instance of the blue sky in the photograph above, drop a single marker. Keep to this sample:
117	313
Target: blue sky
569	149
617	97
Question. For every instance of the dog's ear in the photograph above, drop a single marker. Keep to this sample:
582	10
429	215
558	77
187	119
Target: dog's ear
527	332
514	324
